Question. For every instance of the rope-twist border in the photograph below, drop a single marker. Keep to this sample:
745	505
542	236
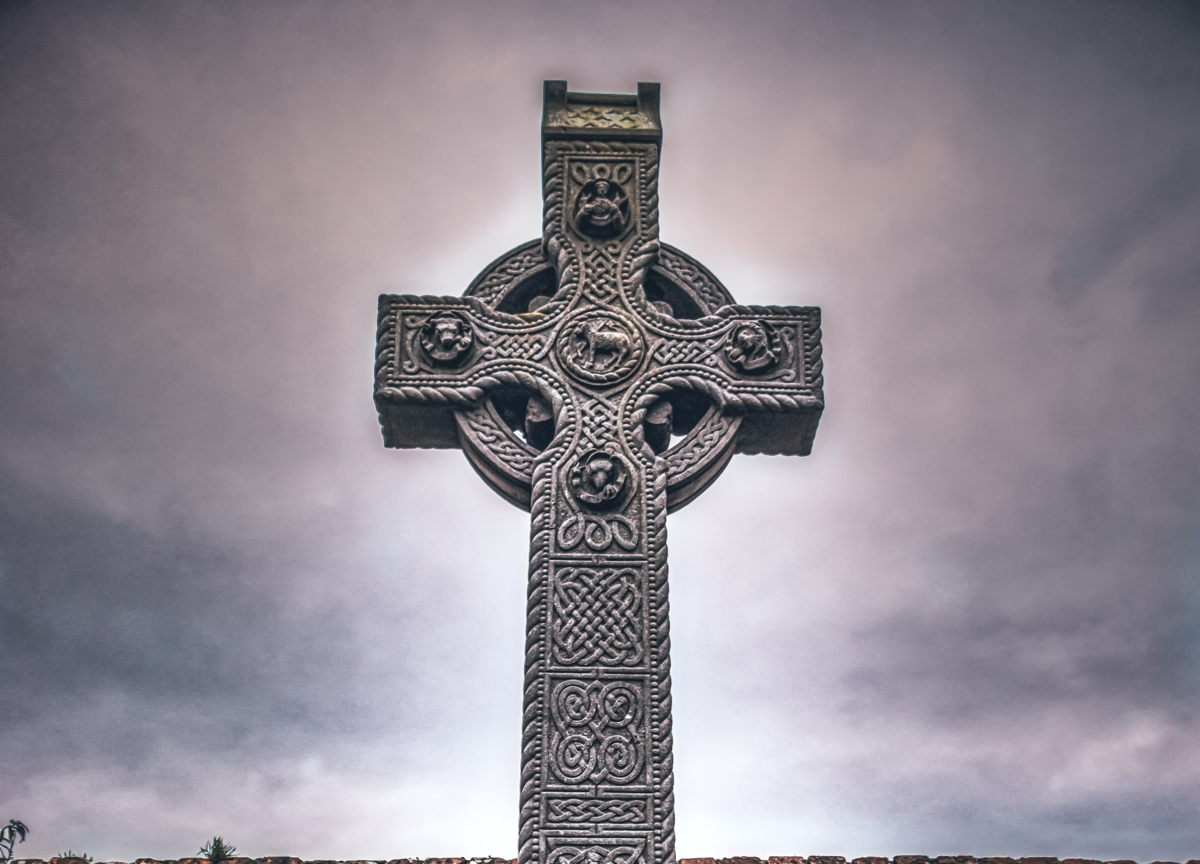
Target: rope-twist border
541	536
662	732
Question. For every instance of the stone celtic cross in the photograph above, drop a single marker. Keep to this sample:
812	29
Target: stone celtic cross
599	379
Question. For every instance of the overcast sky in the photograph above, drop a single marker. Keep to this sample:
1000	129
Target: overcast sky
969	623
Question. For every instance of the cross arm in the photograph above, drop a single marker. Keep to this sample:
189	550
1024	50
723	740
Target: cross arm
435	355
761	364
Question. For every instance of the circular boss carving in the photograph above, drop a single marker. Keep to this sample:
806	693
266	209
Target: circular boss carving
753	346
599	480
600	348
446	338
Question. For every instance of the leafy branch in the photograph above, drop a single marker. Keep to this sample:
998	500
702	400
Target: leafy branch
8	837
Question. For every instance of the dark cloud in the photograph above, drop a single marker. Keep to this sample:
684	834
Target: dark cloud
969	622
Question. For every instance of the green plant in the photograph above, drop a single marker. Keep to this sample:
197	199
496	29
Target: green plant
8	836
79	855
217	850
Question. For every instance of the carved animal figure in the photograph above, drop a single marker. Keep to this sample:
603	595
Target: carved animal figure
598	348
445	338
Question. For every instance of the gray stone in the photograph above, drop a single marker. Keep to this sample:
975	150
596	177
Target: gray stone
599	379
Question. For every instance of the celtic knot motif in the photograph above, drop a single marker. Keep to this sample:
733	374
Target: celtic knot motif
597	855
598	532
498	442
753	346
597	617
613	811
598	415
496	346
596	737
691	273
667	352
600	348
600	283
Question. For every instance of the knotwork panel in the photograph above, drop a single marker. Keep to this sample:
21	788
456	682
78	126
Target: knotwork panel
600	731
598	616
605	810
596	850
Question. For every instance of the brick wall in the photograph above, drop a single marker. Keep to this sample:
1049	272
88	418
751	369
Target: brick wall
774	859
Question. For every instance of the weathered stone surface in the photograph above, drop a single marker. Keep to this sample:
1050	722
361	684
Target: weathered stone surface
598	379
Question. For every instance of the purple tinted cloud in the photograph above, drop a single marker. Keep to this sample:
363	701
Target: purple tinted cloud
969	622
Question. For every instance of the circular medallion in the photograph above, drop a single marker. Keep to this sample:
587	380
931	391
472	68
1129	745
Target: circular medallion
600	348
599	480
446	338
602	205
753	347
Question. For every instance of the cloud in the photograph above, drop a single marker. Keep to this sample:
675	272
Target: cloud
966	623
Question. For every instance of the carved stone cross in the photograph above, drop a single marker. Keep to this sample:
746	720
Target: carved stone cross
599	379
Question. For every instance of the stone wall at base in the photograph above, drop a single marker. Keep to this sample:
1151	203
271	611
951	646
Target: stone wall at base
774	859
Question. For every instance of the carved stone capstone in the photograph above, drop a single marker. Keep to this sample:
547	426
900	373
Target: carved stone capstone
599	379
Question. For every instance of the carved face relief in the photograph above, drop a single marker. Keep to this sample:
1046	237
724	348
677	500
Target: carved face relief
600	348
602	205
446	338
753	346
602	210
599	480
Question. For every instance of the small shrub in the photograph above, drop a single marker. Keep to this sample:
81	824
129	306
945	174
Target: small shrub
79	855
216	850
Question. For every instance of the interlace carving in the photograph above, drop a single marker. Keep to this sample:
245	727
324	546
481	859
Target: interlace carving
615	811
696	277
498	440
689	351
598	533
585	854
598	617
501	346
598	416
596	736
501	275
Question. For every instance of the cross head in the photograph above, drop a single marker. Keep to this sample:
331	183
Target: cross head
599	379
